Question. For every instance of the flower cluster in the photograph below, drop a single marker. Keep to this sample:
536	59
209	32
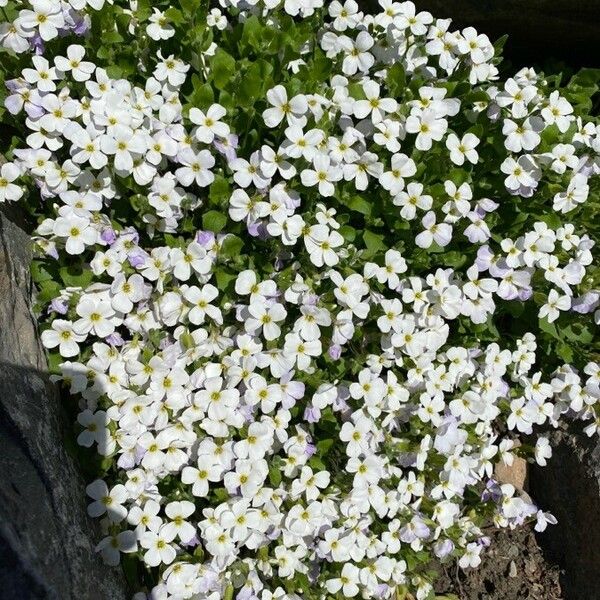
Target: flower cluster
306	300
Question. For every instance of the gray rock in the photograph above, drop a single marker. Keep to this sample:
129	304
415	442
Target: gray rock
569	487
46	538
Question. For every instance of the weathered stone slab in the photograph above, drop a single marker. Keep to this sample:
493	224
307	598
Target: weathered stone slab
46	538
569	487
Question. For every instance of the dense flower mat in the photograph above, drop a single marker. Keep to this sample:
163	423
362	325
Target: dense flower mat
309	274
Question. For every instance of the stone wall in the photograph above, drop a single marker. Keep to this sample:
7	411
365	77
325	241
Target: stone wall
46	539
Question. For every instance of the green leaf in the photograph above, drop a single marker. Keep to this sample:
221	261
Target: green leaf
114	71
565	352
222	68
396	79
275	476
224	278
323	447
219	192
231	246
254	82
252	33
359	204
48	290
174	242
112	37
76	276
577	332
214	221
190	6
348	233
39	271
203	94
221	494
586	77
453	259
175	15
499	45
373	242
316	463
549	328
144	10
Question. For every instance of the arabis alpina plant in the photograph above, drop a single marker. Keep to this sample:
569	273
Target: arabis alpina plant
311	274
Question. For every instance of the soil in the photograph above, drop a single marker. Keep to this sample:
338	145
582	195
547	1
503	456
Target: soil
512	568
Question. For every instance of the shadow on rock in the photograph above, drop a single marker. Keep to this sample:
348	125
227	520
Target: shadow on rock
569	487
46	538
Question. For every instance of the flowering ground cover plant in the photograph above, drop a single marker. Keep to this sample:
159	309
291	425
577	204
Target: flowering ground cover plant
309	275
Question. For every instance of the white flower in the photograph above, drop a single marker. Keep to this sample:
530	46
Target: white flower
471	557
46	16
201	301
265	318
440	233
242	207
559	111
346	582
428	126
247	284
200	477
209	124
159	27
401	166
14	37
257	442
321	243
77	231
577	193
345	15
172	70
519	172
193	259
178	512
43	75
9	172
124	143
159	549
554	305
523	136
96	316
111	547
300	351
324	175
126	292
216	19
358	57
394	264
374	106
95	428
517	97
196	168
310	483
543	451
249	172
463	149
293	110
107	501
73	63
